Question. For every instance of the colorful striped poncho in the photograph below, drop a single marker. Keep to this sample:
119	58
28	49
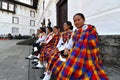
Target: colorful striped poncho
48	49
55	55
84	62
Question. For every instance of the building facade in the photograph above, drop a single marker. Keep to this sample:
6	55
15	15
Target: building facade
17	19
104	14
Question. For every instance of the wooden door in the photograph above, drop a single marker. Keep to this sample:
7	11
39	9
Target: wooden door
61	13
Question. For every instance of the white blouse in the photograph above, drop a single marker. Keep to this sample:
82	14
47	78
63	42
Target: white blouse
61	45
41	39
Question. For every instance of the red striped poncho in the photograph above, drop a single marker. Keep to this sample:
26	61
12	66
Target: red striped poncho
65	36
48	49
84	62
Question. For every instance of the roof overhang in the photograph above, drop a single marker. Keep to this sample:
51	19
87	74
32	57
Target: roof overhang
34	6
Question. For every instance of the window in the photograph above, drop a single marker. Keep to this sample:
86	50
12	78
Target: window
31	2
0	4
11	7
4	5
15	20
15	30
32	23
7	6
32	13
32	31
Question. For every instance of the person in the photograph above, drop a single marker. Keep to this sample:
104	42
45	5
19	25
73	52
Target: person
51	42
42	35
54	42
62	44
10	36
49	23
83	62
36	46
43	25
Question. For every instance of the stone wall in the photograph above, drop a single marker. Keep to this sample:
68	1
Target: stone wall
110	50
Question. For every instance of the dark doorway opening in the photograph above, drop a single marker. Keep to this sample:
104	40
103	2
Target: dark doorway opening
62	13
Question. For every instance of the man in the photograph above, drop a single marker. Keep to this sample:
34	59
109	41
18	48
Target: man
49	23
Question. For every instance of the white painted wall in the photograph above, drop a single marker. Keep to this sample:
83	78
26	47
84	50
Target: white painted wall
104	14
48	13
74	6
40	14
51	13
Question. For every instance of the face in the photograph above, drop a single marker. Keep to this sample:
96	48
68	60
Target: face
78	21
40	31
48	31
55	30
66	27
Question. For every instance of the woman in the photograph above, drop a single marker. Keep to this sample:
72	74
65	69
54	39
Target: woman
84	62
53	43
44	44
36	46
62	44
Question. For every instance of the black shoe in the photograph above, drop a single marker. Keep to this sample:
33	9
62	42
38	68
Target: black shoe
28	58
35	58
36	67
42	76
34	62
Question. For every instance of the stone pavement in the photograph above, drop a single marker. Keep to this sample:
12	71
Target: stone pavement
13	65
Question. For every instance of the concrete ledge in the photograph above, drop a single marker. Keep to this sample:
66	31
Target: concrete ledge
26	42
110	50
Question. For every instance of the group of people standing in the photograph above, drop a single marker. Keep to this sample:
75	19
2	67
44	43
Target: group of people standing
69	55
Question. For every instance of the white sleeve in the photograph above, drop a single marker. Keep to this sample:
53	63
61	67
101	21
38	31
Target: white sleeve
60	42
70	44
41	39
62	47
38	40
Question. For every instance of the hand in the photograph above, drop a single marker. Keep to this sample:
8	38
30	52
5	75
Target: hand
43	44
56	48
66	51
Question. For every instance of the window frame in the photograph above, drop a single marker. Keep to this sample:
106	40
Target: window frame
31	31
31	23
13	20
32	13
15	30
8	6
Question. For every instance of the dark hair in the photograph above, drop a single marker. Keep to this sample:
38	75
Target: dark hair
56	27
43	29
79	14
50	28
69	24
